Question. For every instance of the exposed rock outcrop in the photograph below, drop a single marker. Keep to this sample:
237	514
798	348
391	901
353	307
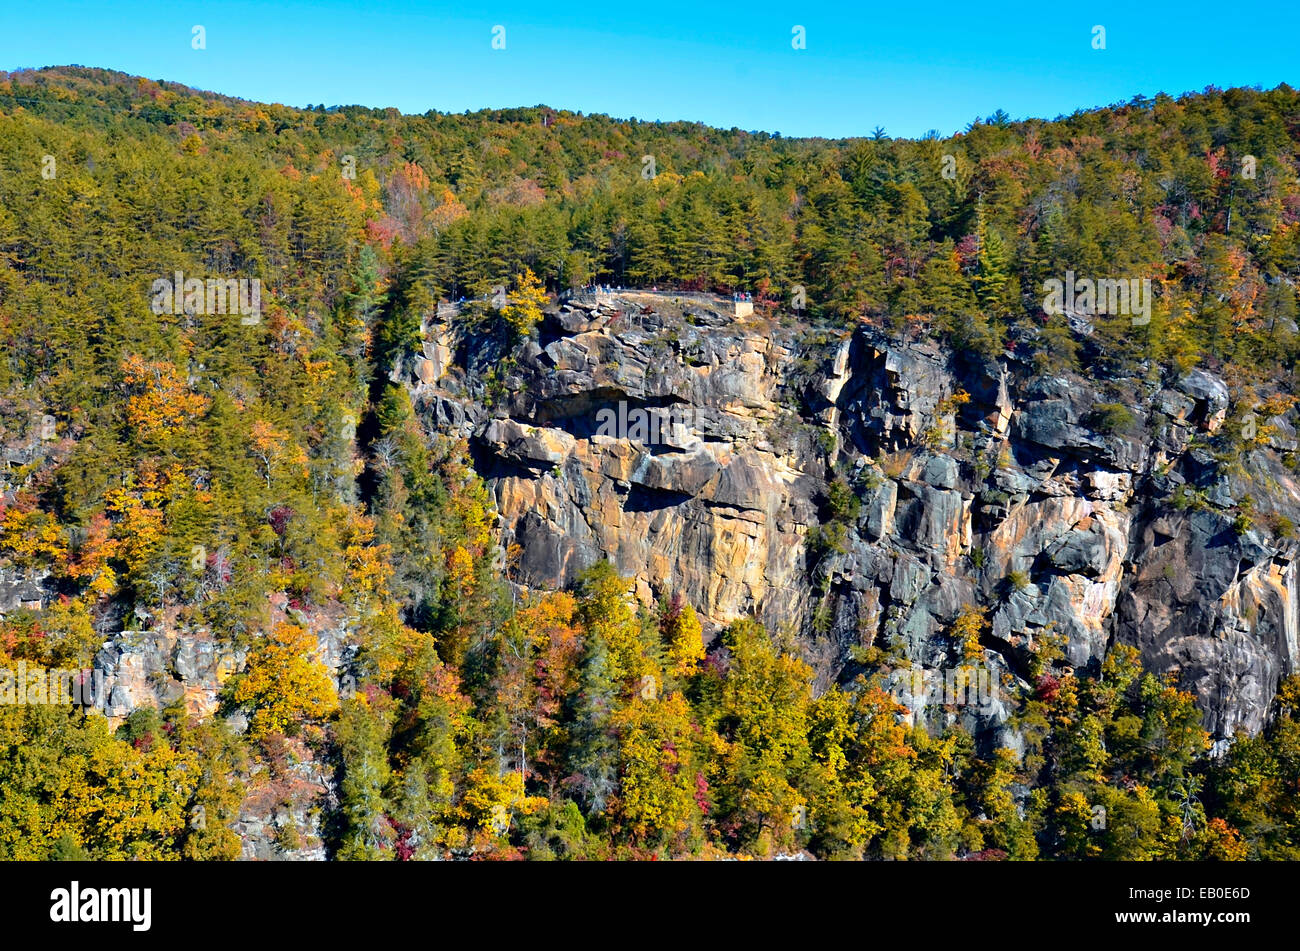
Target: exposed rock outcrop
695	451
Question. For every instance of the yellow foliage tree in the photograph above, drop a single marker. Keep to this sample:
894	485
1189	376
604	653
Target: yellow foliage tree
523	309
273	448
282	684
367	564
656	769
160	402
32	536
966	630
683	639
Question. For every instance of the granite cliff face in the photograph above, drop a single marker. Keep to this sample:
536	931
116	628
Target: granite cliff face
697	451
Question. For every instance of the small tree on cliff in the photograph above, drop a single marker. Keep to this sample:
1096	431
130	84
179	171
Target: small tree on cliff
523	308
283	685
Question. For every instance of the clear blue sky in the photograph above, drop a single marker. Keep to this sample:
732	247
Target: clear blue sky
907	66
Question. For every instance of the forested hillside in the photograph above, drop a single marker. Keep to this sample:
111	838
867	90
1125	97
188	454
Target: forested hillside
262	486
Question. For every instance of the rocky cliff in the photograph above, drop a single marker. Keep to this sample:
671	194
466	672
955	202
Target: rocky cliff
856	491
851	490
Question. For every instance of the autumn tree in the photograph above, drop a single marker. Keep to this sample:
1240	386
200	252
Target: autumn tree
283	685
523	307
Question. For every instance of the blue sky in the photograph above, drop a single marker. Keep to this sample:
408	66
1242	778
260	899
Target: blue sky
908	67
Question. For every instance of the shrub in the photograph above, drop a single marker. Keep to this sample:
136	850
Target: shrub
1016	581
1115	419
